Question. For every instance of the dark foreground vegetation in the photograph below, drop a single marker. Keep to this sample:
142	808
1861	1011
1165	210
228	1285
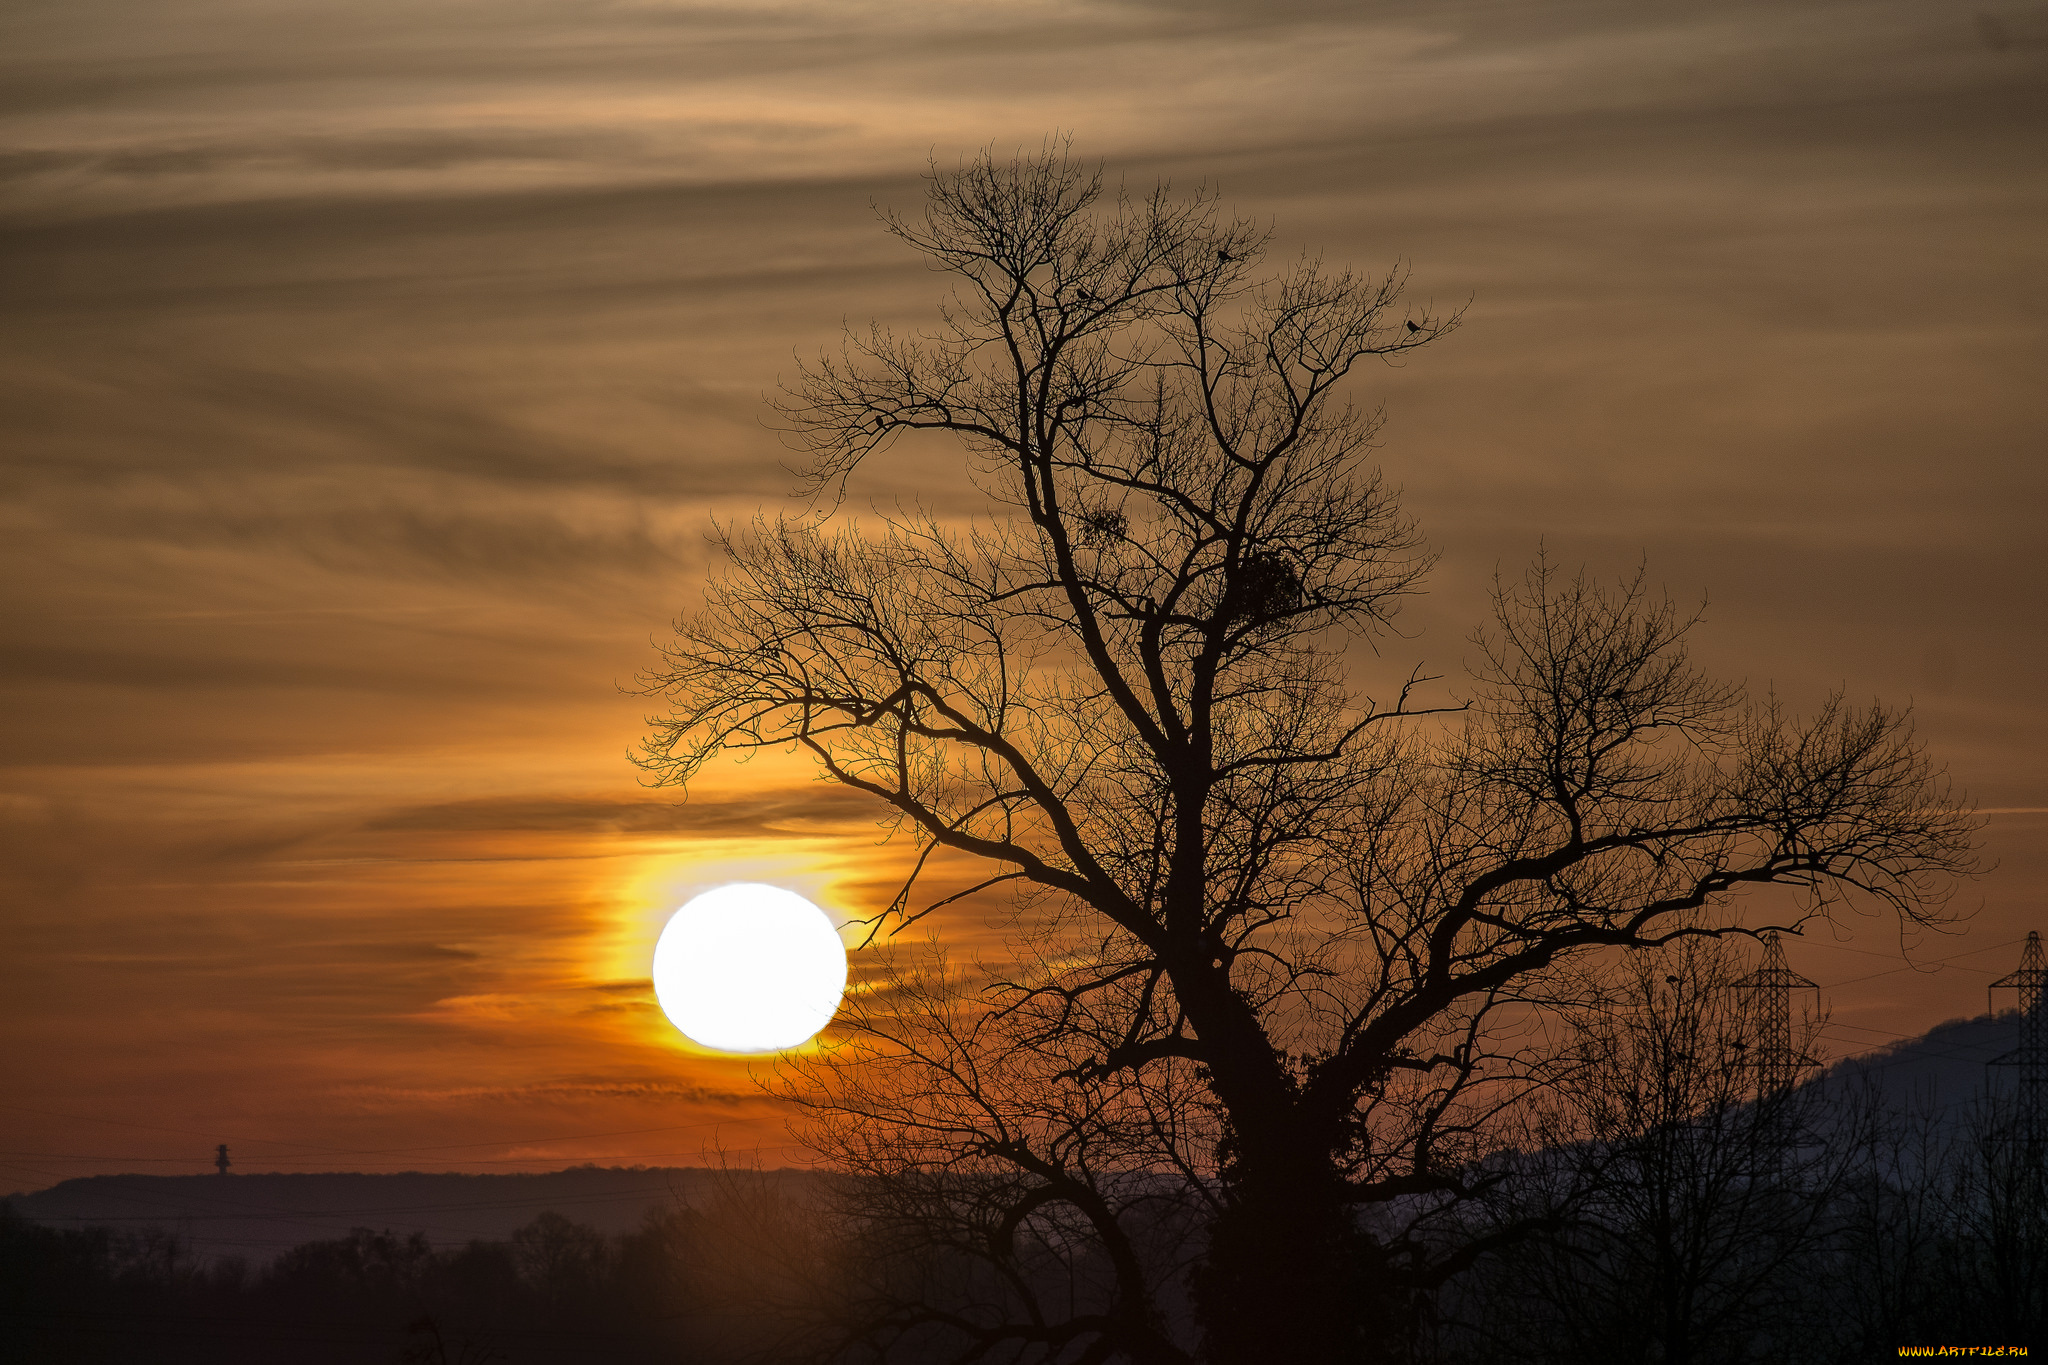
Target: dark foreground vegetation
1681	1226
555	1291
1821	1225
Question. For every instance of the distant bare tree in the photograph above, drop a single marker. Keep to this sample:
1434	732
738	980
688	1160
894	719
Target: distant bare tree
1892	1232
559	1259
1686	1208
1002	1200
754	1268
1995	1256
1274	920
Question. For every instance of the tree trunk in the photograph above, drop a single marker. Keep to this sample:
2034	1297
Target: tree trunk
1290	1277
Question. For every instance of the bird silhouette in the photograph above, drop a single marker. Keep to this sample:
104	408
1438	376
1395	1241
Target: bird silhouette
1672	979
1223	255
1413	328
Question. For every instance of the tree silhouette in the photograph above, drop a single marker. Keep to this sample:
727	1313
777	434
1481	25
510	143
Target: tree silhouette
1269	923
1687	1200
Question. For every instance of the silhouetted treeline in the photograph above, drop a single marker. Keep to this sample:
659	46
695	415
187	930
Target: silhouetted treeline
556	1291
1682	1225
1672	1210
1703	1244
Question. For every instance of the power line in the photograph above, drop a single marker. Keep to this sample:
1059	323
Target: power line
334	1222
574	1158
375	1151
1912	967
1944	1052
261	1213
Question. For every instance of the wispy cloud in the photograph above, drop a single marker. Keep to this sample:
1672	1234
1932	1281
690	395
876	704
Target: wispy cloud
371	372
816	808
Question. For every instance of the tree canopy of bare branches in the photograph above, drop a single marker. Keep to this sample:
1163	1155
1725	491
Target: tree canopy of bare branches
1685	1209
1276	918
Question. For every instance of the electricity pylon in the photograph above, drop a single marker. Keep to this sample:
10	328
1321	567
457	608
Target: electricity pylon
2031	1056
1777	1062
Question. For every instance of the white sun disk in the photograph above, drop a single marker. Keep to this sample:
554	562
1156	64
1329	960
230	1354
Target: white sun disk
749	968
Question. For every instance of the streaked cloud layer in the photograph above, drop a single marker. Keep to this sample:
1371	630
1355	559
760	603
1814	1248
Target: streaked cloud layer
370	374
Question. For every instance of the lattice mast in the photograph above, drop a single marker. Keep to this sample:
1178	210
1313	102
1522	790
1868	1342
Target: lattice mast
2031	1056
1778	1063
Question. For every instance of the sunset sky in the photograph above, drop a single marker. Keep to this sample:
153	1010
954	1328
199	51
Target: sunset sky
372	373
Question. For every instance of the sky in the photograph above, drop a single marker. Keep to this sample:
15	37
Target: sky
371	373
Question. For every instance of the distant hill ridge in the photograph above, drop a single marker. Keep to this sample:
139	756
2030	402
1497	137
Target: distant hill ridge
259	1216
1943	1068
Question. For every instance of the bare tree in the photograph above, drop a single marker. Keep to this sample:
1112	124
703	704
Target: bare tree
1006	1202
1285	914
1686	1207
1996	1253
1893	1275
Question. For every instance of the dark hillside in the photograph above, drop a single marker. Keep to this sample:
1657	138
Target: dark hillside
1942	1070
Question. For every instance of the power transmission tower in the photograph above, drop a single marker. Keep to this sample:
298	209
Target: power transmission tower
1777	1062
2031	1056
